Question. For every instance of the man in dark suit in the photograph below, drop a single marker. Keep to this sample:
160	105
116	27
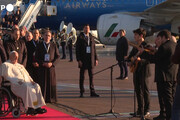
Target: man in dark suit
121	54
15	43
176	103
32	66
3	56
141	74
86	58
47	56
165	72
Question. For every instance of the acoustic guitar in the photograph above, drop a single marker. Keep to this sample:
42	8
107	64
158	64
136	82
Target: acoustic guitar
134	62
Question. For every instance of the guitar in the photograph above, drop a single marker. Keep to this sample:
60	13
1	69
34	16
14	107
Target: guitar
134	62
150	50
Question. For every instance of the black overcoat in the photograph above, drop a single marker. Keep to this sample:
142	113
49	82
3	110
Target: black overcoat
47	76
18	46
165	69
81	55
121	48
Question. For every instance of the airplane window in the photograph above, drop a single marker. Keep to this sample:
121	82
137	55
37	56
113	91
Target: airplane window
63	0
69	0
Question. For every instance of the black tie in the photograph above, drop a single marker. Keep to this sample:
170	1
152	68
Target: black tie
86	38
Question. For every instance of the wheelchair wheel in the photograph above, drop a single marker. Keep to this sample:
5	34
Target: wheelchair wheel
16	112
5	102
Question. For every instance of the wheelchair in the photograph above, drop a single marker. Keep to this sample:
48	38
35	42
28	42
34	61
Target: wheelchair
9	102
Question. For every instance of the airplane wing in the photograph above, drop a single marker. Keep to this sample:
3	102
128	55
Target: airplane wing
167	12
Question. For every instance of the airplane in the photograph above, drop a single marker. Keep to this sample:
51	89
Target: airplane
105	16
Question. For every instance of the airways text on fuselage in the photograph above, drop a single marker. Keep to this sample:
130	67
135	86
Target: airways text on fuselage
85	5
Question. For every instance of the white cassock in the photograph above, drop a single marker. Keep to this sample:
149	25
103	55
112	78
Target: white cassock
30	93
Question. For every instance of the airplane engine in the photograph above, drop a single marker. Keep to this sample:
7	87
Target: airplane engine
108	27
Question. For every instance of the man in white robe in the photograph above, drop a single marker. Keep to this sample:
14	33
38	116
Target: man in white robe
22	84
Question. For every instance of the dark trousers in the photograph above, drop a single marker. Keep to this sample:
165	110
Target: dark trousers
63	45
123	68
34	73
142	91
166	91
176	105
81	81
70	52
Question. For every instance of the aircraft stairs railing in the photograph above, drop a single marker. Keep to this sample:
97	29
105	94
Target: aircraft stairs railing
29	16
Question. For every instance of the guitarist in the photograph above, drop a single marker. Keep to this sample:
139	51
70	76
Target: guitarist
140	75
165	72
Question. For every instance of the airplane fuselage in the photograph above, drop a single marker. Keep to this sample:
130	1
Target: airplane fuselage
80	12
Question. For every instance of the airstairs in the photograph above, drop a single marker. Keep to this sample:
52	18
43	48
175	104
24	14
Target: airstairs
29	16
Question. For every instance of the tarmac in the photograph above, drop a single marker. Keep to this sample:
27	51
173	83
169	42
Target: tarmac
115	106
116	100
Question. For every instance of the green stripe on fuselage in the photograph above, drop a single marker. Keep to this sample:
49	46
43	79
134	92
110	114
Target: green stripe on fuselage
110	30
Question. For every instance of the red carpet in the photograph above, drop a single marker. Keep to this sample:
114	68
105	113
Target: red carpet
50	115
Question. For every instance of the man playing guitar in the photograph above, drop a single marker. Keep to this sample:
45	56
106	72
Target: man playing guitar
141	72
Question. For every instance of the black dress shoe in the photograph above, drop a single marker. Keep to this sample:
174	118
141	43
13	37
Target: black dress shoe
94	95
119	78
81	95
160	117
41	110
31	111
70	60
136	114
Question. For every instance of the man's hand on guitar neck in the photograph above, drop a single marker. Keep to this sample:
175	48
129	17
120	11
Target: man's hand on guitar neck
150	50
